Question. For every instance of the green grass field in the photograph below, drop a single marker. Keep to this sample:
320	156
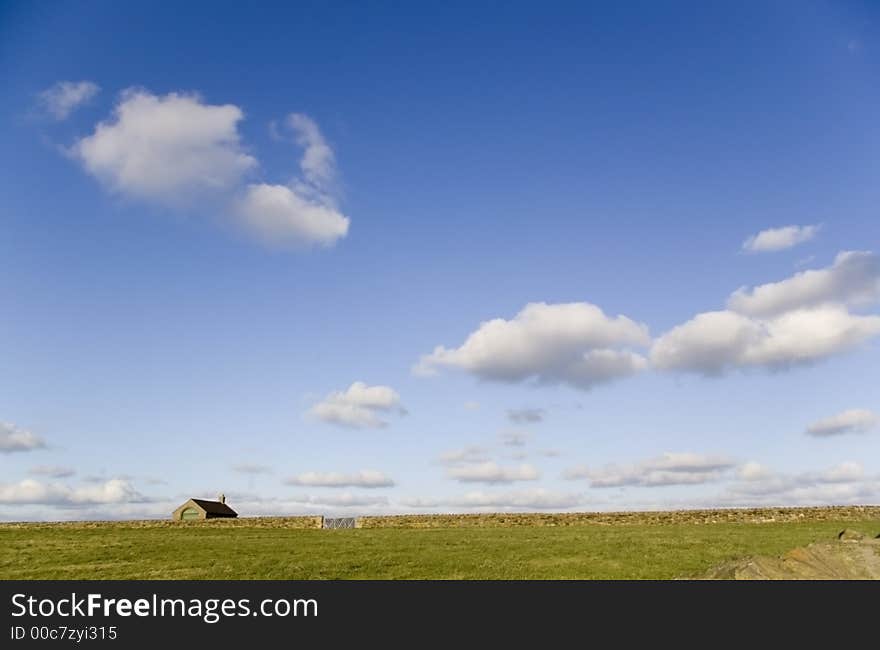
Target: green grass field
635	551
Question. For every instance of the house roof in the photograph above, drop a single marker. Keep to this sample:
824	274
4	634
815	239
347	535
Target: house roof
214	507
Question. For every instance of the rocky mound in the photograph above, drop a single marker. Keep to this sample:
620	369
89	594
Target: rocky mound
853	556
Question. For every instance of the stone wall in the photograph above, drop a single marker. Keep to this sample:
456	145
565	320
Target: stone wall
739	515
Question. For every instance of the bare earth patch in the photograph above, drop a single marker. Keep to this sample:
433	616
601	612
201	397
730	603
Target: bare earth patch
853	556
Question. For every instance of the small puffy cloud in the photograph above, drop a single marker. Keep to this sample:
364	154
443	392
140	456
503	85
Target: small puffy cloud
753	471
358	406
472	406
318	162
13	438
851	421
33	492
279	214
62	98
668	469
169	149
251	468
491	472
526	416
777	239
514	438
365	479
800	320
52	471
853	279
469	454
572	343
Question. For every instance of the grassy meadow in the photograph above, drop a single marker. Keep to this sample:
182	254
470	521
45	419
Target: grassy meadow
128	550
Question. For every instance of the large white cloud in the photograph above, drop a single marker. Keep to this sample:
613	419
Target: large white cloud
62	98
491	472
33	492
679	468
799	320
777	239
573	343
853	279
713	342
365	478
358	406
851	421
170	148
13	438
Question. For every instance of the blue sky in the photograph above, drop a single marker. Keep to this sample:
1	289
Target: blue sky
232	239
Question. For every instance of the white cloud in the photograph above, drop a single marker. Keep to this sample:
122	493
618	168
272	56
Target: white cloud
752	471
358	406
799	320
365	478
521	500
526	416
170	149
318	162
667	469
843	483
777	239
851	421
573	343
52	471
470	454
472	406
714	342
283	215
13	438
251	468
177	150
30	491
303	212
345	499
491	472
62	98
853	279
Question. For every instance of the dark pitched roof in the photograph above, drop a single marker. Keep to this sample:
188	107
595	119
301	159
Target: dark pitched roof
215	507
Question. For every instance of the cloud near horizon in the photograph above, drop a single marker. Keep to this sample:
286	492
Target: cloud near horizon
667	469
32	492
365	478
491	472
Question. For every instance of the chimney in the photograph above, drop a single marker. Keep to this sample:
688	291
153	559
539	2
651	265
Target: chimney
221	498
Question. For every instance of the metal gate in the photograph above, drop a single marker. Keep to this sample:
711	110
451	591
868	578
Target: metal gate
339	522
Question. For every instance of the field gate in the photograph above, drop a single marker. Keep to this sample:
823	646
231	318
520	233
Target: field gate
338	522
